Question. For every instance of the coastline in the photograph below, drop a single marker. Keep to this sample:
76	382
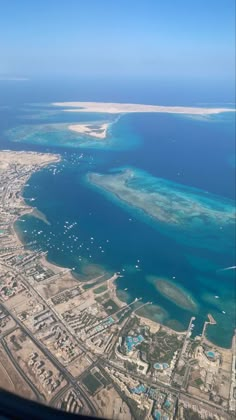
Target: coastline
25	209
30	209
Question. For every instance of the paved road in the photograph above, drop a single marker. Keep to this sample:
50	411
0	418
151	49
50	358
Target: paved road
168	388
58	396
69	378
39	396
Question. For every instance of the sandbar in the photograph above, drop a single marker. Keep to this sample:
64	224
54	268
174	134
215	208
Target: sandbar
174	293
123	108
96	130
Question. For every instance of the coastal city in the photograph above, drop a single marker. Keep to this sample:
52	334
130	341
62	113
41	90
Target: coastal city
74	345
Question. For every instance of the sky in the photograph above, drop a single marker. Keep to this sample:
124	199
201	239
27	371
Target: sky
154	39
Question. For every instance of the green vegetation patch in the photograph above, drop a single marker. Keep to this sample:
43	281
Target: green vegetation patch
198	382
92	384
192	415
161	347
88	286
103	298
100	289
110	306
101	378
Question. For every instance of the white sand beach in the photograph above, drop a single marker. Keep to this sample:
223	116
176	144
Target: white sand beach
122	108
97	130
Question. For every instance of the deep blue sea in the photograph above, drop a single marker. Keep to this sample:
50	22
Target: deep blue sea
90	232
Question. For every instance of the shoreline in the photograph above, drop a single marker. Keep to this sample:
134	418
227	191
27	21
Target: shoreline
123	108
26	209
29	209
98	133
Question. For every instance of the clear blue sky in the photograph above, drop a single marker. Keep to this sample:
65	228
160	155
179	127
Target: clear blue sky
117	38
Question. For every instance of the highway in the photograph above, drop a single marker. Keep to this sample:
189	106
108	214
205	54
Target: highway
35	292
38	395
56	398
69	378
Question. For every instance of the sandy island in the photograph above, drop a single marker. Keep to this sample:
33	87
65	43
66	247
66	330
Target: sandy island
99	131
122	108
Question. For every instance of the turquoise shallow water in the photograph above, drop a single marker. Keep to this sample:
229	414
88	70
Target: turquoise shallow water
88	227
